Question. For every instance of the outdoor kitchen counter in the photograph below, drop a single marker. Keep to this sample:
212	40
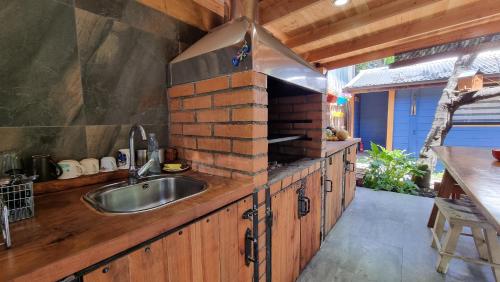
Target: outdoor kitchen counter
478	174
336	146
66	235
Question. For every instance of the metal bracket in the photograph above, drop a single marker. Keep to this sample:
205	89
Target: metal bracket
249	214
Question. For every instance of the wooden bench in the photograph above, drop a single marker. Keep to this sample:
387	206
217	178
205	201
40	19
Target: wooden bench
460	213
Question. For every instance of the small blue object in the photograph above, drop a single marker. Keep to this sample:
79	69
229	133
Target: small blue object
235	61
341	100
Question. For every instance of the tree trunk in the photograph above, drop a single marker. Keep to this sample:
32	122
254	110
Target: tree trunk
444	113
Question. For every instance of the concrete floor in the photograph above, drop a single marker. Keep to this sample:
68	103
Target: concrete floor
382	236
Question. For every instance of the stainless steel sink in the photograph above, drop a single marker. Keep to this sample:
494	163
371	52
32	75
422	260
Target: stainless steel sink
146	194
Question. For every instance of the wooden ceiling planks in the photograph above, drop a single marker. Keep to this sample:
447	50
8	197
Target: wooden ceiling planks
358	32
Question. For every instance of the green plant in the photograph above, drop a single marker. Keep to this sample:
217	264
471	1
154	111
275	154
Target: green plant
391	170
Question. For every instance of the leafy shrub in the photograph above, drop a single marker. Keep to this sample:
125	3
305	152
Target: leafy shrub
391	171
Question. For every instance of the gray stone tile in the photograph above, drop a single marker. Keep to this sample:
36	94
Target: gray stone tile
123	71
135	14
106	140
383	236
60	142
40	73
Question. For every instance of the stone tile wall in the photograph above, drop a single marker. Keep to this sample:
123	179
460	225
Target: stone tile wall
77	74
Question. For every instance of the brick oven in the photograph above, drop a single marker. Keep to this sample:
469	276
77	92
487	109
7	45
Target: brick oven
240	98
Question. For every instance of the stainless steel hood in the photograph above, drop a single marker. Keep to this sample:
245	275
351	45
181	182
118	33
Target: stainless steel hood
213	55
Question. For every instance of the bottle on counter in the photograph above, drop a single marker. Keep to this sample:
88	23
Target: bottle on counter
153	153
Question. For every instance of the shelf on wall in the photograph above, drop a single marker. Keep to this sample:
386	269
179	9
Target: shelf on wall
283	138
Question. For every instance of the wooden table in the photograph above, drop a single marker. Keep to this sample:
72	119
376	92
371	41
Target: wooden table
477	173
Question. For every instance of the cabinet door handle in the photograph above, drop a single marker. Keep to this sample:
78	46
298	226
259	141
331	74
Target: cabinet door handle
331	185
308	204
350	167
248	247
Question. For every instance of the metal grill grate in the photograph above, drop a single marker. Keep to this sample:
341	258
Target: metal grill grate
18	199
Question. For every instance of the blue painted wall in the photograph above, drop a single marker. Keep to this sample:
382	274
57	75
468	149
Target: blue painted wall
410	131
372	115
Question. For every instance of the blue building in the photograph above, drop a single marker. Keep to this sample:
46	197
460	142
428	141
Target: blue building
395	107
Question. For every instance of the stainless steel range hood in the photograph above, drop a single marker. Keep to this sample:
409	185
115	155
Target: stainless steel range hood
213	55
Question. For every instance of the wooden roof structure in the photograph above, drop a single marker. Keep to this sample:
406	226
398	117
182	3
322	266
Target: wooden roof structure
362	30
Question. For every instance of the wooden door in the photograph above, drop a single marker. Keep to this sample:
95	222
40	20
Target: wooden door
144	264
285	240
350	175
232	229
117	270
310	224
333	188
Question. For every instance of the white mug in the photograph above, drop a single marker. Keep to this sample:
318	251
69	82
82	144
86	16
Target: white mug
108	164
90	166
123	158
70	169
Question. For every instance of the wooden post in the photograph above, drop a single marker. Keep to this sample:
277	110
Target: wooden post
390	119
351	115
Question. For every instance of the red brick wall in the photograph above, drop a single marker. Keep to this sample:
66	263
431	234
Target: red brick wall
308	107
220	125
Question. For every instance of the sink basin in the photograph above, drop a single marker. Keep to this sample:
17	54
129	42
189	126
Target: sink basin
146	194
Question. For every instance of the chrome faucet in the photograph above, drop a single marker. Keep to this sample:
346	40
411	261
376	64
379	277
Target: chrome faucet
133	173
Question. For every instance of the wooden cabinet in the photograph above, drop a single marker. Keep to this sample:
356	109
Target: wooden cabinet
210	249
350	175
310	224
117	270
334	172
144	264
285	242
295	236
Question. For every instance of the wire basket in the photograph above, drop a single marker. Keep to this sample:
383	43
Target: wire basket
18	199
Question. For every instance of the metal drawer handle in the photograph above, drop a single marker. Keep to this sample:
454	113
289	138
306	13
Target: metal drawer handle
350	167
248	247
331	185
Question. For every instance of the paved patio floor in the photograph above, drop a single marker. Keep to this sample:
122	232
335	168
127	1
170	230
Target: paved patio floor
382	236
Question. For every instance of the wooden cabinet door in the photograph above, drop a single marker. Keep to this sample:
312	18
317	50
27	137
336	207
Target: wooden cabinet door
310	224
350	175
145	264
333	188
232	242
285	240
211	249
193	253
115	271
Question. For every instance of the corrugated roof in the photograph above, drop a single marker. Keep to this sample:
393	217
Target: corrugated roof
487	62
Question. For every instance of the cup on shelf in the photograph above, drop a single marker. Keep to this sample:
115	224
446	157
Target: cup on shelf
108	164
45	168
90	166
70	169
123	158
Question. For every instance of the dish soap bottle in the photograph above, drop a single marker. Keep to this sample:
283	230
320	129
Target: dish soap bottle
153	153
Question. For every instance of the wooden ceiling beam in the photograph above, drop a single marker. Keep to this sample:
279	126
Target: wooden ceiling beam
459	17
281	8
216	6
453	34
373	16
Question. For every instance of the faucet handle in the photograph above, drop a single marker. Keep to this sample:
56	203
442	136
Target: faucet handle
145	168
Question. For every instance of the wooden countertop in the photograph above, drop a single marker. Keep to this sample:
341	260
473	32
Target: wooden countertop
335	146
66	236
478	173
